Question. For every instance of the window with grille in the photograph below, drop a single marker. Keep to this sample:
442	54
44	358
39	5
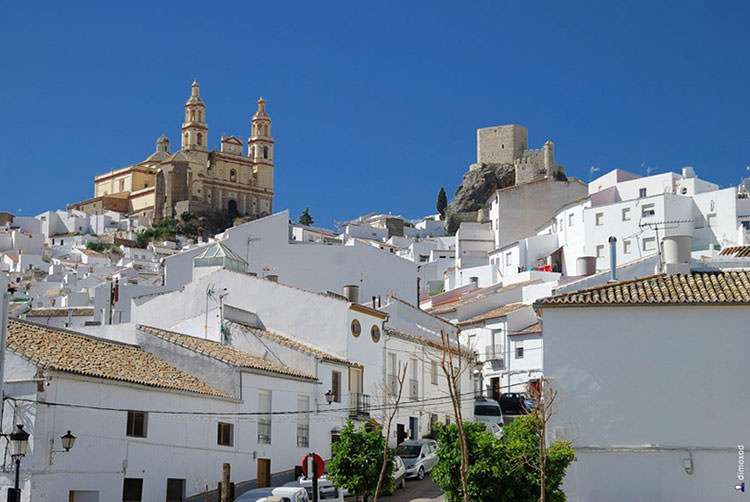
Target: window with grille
303	421
264	421
336	386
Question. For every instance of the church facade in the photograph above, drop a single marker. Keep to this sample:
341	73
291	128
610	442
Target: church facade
231	180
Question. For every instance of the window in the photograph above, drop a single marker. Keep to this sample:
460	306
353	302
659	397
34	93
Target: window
711	220
232	174
303	421
642	193
599	219
225	434
647	210
600	251
200	138
519	350
375	333
137	422
265	152
356	328
570	220
560	225
649	244
508	259
626	247
625	214
264	421
122	185
175	490
132	490
434	372
336	386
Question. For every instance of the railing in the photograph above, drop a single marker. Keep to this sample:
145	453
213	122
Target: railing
493	353
359	405
264	430
413	389
303	435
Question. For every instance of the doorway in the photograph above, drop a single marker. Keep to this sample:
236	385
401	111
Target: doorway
264	473
495	383
400	433
413	428
232	207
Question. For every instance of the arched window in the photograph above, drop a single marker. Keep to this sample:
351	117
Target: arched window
265	152
185	139
252	152
200	116
232	175
260	130
200	139
192	115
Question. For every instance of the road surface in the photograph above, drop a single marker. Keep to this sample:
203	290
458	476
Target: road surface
415	491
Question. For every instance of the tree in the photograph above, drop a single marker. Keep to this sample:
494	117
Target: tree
501	470
356	460
305	218
442	202
453	366
391	398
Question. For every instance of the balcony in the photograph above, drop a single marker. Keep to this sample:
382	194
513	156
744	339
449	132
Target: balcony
359	405
413	389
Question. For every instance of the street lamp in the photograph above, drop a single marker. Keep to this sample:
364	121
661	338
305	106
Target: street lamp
329	396
68	440
19	441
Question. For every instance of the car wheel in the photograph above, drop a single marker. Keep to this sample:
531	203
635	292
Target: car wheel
420	474
403	483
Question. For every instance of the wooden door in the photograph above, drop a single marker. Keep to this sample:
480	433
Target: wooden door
496	388
264	473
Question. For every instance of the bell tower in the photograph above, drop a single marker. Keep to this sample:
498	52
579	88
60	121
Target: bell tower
195	129
260	143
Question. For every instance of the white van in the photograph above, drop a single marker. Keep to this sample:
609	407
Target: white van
488	411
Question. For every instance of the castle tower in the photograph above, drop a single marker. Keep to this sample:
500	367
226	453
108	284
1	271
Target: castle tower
195	129
162	144
260	143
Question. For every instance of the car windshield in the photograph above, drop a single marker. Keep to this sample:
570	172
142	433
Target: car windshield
487	411
408	450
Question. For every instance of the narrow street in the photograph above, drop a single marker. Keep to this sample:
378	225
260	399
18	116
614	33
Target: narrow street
415	491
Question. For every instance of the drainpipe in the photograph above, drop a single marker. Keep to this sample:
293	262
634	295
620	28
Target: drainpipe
612	259
4	298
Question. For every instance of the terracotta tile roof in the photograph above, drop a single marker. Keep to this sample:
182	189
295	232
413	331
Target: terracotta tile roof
224	353
736	251
493	314
289	342
60	312
727	288
475	295
534	328
62	350
420	339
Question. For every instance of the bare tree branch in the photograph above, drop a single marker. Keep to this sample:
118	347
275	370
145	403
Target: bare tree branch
388	392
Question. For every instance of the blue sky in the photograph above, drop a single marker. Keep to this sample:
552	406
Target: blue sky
375	105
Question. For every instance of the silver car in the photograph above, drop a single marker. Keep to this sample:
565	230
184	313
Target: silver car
419	456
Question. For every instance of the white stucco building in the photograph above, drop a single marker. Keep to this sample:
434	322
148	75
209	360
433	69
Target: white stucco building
651	376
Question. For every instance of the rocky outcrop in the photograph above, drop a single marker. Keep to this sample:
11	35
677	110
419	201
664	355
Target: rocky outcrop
476	187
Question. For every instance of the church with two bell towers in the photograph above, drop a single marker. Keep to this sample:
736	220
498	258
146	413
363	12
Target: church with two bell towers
236	179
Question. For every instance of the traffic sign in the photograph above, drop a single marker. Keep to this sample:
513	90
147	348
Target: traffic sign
319	464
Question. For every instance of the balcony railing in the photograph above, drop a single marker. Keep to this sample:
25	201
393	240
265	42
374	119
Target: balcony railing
493	353
413	389
359	405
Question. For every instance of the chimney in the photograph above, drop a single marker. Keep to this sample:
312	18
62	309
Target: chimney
351	292
612	258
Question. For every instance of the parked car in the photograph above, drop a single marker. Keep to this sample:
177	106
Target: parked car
488	411
399	473
419	456
279	493
494	429
326	488
515	403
